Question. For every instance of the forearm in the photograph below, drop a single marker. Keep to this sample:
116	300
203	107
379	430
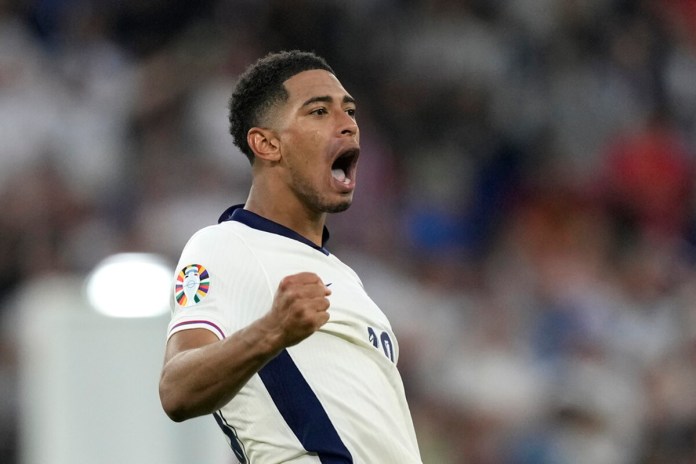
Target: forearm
201	380
201	374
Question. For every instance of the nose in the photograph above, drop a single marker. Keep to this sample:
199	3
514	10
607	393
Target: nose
348	125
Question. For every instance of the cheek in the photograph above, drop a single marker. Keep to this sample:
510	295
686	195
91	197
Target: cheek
306	151
312	149
302	143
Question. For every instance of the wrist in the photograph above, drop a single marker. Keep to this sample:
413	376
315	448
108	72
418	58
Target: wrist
264	337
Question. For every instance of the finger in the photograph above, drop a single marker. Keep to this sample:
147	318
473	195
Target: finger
325	304
306	278
305	284
297	281
307	292
323	318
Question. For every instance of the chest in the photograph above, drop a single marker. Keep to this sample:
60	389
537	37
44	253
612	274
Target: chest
349	301
354	316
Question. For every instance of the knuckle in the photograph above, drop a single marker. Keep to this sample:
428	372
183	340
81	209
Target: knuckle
286	282
291	293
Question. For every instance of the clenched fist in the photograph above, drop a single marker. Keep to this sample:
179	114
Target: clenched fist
299	307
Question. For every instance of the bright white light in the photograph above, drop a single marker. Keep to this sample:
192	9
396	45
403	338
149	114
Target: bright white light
130	285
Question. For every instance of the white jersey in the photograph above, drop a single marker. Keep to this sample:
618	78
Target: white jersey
337	396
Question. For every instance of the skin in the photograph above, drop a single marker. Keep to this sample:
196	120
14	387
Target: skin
293	186
294	157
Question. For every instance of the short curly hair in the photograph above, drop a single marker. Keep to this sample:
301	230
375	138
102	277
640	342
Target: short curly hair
260	88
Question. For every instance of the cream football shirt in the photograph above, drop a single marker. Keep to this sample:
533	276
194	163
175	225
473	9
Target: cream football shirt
337	396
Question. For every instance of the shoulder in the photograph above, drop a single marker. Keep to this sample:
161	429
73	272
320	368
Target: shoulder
339	264
226	234
216	274
224	244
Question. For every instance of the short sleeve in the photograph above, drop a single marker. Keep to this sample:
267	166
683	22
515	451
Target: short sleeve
198	292
205	291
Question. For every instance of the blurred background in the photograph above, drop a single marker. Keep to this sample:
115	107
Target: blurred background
525	214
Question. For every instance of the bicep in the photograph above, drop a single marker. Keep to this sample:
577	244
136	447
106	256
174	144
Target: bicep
189	339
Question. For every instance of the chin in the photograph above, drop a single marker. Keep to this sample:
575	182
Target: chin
338	207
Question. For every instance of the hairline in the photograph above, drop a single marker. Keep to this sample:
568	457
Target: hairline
262	105
274	106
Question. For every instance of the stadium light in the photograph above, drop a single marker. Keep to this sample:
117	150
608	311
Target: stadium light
130	285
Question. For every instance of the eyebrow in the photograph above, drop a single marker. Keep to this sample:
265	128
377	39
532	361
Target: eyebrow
327	99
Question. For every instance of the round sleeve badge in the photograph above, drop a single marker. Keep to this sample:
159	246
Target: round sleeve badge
192	285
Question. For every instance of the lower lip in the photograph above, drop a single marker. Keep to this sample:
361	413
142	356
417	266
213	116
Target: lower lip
343	187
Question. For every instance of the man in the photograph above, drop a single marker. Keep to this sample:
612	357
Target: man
275	336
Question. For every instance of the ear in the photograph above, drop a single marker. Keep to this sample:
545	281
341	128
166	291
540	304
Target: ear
264	144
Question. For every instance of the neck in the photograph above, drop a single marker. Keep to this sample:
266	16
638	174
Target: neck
288	211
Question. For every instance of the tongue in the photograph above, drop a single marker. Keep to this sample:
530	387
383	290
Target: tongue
338	174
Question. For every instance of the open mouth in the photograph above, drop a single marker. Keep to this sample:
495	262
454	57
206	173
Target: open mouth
343	168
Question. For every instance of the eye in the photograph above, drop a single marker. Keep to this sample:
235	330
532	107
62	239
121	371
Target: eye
319	111
351	112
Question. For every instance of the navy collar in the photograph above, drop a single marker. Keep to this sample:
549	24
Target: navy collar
253	220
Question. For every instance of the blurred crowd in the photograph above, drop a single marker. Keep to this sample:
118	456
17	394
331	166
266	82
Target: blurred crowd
525	215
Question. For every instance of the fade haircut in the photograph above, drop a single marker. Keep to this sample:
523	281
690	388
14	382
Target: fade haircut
261	87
